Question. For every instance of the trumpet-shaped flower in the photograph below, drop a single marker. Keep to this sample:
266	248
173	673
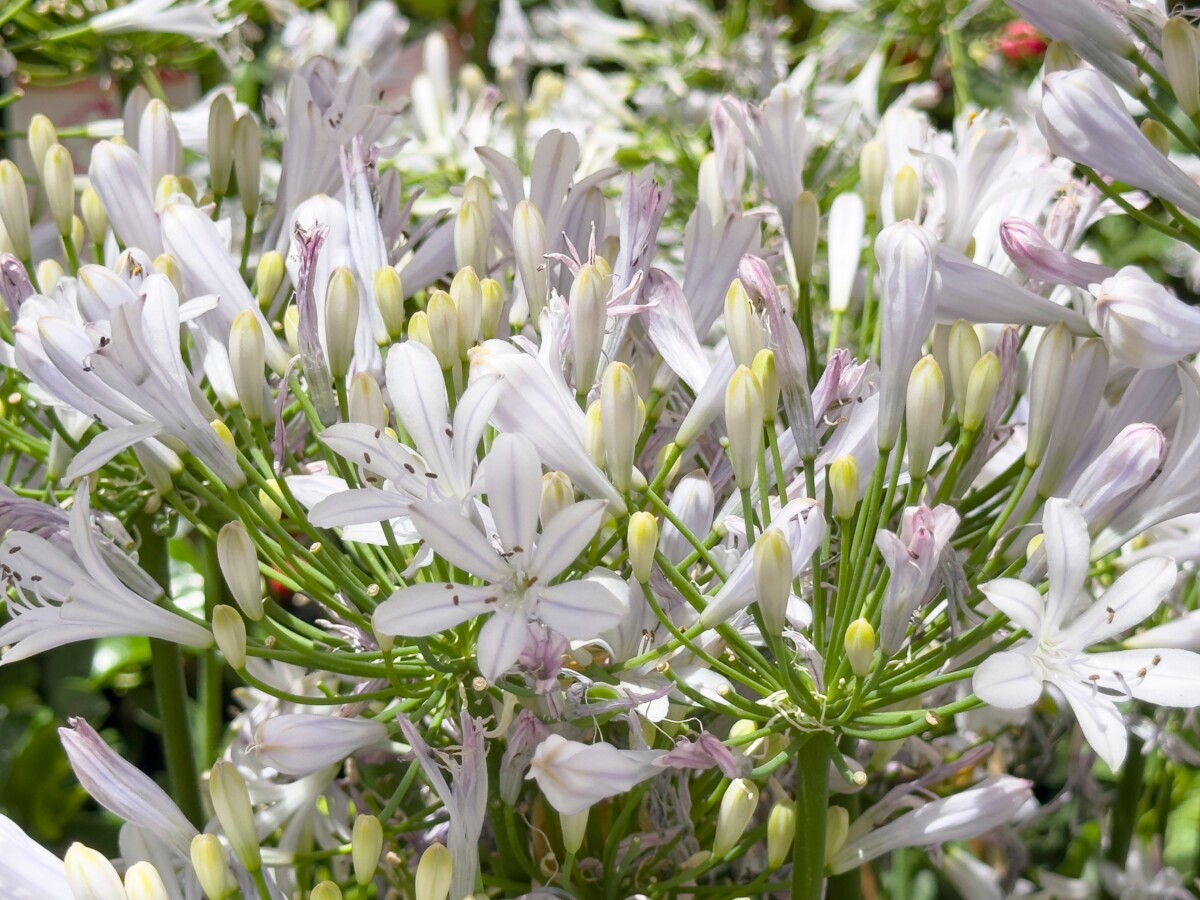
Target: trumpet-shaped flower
517	575
1142	323
574	776
1062	625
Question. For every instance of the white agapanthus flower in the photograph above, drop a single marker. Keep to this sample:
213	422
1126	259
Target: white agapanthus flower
1061	628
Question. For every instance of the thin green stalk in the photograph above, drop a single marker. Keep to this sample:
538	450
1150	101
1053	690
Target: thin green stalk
812	803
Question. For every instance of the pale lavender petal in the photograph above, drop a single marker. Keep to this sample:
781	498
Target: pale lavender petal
302	743
425	609
501	642
514	489
565	537
580	609
455	539
1161	676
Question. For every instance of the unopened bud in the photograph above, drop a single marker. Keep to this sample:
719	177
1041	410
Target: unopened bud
738	804
167	264
781	833
366	401
872	169
964	351
837	829
443	328
58	178
773	578
923	414
473	227
574	830
221	122
860	646
419	330
341	320
224	434
803	233
14	208
768	379
1181	54
49	273
389	296
142	882
745	331
744	425
1158	136
1059	58
247	357
906	194
91	875
229	631
557	494
158	141
1120	471
42	136
1050	364
981	391
326	890
529	249
589	317
238	560
231	802
493	307
366	845
435	872
642	541
211	865
266	499
291	329
94	215
844	485
619	423
467	294
593	433
247	162
268	277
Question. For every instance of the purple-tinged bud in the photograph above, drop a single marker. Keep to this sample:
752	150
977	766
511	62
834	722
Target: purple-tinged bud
1036	257
1121	470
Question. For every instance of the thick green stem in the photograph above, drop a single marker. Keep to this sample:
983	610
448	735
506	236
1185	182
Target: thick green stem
812	800
1125	810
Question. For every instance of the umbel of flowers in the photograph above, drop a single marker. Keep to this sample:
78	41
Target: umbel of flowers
636	537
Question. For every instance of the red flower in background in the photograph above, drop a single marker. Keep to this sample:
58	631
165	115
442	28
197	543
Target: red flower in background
1020	41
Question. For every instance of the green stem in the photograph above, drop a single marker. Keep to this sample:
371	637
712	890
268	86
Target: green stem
1125	810
812	800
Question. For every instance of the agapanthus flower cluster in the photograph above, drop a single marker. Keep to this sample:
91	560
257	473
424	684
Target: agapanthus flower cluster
630	532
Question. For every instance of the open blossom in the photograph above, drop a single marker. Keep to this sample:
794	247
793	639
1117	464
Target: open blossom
517	574
574	776
1143	324
1063	624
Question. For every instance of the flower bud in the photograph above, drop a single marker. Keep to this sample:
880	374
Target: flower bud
746	334
443	328
326	890
435	872
557	494
158	141
923	414
773	578
1118	473
963	352
473	226
239	564
589	317
167	264
291	329
1156	133
366	401
493	308
781	833
389	296
860	646
1142	323
268	277
1050	364
247	162
768	379
872	169
231	802
844	486
642	541
418	328
593	433
837	829
1181	54
142	882
247	357
574	830
619	423
906	194
738	804
224	434
221	122
467	294
1059	58
266	499
165	191
49	273
229	631
42	136
341	320
14	208
366	845
744	424
981	391
90	874
529	248
58	178
94	215
212	866
803	232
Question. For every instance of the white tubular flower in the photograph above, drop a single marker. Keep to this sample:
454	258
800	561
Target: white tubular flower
1055	653
196	20
28	870
1084	120
775	134
91	875
122	788
847	223
693	503
574	776
959	817
60	600
120	178
1122	469
517	575
1036	257
1143	324
303	743
912	558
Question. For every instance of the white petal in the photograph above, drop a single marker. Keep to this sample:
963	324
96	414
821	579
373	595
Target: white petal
1131	600
302	743
1099	719
1019	601
377	452
455	539
514	487
564	538
309	490
1161	676
501	641
414	382
573	776
470	419
108	444
358	506
1068	557
580	609
425	609
1008	679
